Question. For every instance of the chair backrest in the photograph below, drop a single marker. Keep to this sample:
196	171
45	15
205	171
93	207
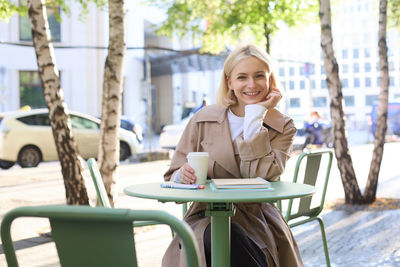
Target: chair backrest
311	173
86	236
98	183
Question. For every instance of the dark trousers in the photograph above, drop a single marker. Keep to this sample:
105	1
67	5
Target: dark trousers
244	252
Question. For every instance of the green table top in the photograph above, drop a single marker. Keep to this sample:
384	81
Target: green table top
282	190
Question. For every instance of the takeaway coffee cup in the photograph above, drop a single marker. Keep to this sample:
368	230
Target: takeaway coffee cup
199	162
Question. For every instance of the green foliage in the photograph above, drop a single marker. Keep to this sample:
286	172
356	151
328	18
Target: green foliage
10	7
218	23
394	13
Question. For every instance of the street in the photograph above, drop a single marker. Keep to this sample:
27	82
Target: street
44	185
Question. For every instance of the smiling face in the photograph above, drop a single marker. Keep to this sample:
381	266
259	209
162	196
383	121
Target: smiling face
249	81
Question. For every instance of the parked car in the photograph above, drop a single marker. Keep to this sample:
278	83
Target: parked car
130	125
171	133
26	137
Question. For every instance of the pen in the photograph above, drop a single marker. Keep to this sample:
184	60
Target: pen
182	186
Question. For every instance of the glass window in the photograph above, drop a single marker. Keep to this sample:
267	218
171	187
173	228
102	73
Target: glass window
302	84
356	67
391	81
294	102
281	72
30	90
25	32
355	53
345	68
291	85
391	65
323	83
371	99
302	70
367	53
349	101
356	82
312	84
319	101
367	82
322	69
291	70
38	119
345	83
83	123
367	67
345	53
378	81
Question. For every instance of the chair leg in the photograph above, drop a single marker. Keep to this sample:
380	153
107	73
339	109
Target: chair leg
321	225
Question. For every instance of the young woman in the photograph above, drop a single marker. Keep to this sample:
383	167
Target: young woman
245	137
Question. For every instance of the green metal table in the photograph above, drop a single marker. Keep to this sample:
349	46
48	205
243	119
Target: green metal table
220	207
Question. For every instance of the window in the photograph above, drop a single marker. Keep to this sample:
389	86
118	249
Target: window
323	83
367	53
312	84
378	81
345	68
302	84
345	83
25	32
302	70
391	81
356	82
367	67
38	119
370	99
355	53
281	72
30	90
291	70
391	65
291	85
294	102
322	69
349	101
83	123
356	67
345	53
319	101
367	82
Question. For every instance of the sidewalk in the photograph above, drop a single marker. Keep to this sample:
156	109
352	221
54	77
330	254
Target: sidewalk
355	237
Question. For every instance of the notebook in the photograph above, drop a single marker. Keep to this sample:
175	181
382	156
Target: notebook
241	183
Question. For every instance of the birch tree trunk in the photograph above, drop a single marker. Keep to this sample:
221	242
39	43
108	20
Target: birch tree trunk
67	151
344	161
381	124
111	100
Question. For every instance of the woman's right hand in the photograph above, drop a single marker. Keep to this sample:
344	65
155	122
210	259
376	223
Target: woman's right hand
186	174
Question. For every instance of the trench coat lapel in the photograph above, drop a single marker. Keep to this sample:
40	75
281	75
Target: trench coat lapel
218	142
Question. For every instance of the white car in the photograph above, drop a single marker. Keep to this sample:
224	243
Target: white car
26	137
171	133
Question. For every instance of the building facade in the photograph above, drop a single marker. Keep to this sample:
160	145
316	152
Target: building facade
355	36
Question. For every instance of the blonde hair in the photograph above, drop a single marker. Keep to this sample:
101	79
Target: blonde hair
224	97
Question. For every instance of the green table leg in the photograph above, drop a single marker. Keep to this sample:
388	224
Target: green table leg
220	233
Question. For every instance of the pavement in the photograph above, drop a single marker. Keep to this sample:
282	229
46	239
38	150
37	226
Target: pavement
356	236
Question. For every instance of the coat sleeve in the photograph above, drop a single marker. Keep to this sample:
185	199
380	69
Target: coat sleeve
265	156
187	143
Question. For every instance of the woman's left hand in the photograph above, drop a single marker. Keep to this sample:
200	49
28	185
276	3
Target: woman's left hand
272	99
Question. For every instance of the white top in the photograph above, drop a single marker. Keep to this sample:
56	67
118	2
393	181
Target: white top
249	125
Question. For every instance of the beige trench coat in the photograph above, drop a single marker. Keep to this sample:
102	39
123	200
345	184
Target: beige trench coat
264	155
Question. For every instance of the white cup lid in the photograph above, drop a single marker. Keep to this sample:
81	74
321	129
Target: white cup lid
197	154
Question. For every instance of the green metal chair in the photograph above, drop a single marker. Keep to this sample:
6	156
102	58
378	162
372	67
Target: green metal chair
86	236
102	193
306	212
